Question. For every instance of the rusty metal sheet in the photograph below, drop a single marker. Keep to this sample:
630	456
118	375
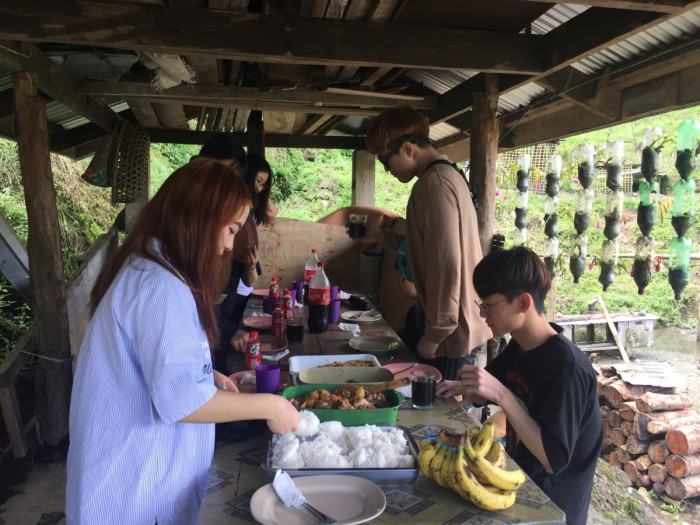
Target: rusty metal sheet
650	373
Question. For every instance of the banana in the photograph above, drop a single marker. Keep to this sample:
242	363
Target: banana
428	450
467	486
497	455
490	473
441	470
484	440
436	463
474	432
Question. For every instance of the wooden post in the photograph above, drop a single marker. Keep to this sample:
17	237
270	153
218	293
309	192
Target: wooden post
54	371
363	184
484	154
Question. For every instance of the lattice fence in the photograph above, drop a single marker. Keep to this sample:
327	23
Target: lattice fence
506	166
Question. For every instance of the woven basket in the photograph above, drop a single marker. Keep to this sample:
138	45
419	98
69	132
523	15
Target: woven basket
130	163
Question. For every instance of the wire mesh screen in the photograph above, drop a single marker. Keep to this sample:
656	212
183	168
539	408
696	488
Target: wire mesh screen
506	167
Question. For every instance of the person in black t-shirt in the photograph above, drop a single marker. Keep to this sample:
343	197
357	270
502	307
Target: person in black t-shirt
544	384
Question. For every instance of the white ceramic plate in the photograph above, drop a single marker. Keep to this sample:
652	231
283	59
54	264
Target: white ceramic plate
348	499
374	343
362	317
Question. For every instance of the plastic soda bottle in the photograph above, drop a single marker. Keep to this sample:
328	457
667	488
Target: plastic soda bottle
277	319
253	356
287	304
319	301
311	266
274	288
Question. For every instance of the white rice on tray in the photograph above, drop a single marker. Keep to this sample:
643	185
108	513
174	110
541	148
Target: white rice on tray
331	445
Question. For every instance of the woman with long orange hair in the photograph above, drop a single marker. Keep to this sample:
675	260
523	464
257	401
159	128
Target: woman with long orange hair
145	395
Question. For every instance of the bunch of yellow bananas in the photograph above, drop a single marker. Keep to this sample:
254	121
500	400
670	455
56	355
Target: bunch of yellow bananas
453	461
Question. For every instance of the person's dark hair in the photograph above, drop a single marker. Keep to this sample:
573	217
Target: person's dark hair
185	219
223	146
512	272
257	164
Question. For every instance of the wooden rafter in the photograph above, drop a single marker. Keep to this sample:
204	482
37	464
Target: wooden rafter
267	38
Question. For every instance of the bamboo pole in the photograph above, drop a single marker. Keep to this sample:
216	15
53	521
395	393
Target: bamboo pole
613	329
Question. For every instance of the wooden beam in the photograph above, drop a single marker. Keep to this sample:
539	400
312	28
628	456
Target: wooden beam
272	140
681	89
267	38
458	100
54	371
57	84
198	94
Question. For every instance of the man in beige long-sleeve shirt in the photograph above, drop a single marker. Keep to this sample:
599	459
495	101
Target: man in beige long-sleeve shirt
442	238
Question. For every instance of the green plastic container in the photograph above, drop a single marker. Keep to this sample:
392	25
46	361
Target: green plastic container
351	418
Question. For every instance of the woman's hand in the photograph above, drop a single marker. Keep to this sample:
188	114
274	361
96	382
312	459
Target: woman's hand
223	382
286	418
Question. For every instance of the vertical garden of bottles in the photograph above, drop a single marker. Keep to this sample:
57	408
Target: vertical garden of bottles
683	206
613	213
520	235
647	211
584	206
551	215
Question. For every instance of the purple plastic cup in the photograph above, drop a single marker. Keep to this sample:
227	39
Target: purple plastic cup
293	293
268	304
299	285
334	291
334	311
267	378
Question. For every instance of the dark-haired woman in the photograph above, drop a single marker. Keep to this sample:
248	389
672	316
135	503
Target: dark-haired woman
258	178
145	394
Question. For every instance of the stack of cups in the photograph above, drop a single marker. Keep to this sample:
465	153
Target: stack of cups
334	308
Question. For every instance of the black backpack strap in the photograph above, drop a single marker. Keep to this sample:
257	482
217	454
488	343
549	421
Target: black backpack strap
472	192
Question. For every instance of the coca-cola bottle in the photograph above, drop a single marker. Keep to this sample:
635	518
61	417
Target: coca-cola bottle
274	287
309	271
319	299
252	353
277	327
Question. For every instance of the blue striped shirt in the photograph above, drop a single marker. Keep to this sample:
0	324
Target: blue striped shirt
144	364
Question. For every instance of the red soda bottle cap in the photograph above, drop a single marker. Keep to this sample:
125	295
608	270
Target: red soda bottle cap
321	263
253	335
274	279
314	250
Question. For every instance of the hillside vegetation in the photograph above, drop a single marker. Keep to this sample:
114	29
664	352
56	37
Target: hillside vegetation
310	184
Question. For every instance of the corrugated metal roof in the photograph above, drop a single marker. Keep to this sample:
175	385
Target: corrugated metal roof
555	17
439	81
666	33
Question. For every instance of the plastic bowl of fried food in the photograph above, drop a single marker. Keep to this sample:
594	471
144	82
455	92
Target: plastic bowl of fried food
347	403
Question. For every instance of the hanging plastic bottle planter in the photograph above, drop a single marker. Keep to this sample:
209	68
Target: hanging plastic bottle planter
613	213
523	174
647	211
584	206
683	206
551	215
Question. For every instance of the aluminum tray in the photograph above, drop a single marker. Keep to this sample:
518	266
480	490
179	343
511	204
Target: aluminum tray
378	475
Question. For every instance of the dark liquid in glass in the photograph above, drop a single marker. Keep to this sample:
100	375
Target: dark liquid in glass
356	230
295	333
423	393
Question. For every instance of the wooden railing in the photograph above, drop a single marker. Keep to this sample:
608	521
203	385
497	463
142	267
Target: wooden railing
9	369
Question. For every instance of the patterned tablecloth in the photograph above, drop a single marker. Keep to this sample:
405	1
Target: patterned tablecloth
236	474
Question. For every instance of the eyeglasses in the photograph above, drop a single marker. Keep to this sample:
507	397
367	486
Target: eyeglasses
384	159
484	307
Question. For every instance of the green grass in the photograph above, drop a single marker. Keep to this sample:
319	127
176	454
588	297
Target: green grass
310	184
